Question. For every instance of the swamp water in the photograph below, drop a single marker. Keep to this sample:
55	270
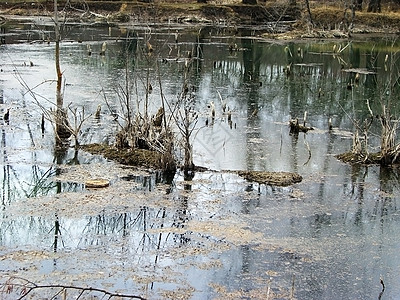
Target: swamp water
213	236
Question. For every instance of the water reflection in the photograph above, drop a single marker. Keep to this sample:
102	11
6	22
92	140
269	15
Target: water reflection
331	236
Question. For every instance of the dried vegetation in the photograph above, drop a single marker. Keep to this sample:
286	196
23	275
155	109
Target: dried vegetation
384	118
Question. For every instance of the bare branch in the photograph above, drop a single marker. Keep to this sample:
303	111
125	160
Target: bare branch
26	287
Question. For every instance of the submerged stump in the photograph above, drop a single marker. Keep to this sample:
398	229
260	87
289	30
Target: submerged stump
296	127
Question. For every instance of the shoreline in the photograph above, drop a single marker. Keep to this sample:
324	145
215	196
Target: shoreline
330	23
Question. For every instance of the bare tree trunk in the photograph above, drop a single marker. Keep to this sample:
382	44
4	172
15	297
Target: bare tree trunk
309	12
128	95
250	2
57	58
188	165
62	131
357	4
350	22
374	6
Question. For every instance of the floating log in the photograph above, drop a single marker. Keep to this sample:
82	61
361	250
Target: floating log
359	71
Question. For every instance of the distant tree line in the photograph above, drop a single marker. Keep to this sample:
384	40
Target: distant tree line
372	5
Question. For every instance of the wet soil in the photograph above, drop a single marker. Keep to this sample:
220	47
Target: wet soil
159	11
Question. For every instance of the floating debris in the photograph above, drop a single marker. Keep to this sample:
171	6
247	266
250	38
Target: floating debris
97	183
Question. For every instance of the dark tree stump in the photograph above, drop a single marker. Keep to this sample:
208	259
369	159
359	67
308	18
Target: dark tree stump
250	2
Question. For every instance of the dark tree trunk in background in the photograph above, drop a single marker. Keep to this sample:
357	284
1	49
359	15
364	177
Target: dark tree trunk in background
309	12
357	4
374	6
251	2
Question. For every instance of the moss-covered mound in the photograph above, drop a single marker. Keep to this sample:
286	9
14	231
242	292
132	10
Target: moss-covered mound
131	157
370	159
271	178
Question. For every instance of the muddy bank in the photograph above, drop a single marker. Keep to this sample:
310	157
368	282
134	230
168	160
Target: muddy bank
118	11
279	20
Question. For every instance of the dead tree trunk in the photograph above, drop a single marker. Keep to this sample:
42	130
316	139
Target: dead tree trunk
309	12
357	5
374	6
61	120
249	2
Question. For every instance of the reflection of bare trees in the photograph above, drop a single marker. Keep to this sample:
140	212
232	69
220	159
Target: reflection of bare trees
180	219
142	227
17	186
388	179
22	181
57	233
371	207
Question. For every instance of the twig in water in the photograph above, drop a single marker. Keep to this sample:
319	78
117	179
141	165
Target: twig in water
309	152
269	288
292	290
383	288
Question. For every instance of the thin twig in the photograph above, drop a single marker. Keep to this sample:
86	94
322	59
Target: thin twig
309	152
383	288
